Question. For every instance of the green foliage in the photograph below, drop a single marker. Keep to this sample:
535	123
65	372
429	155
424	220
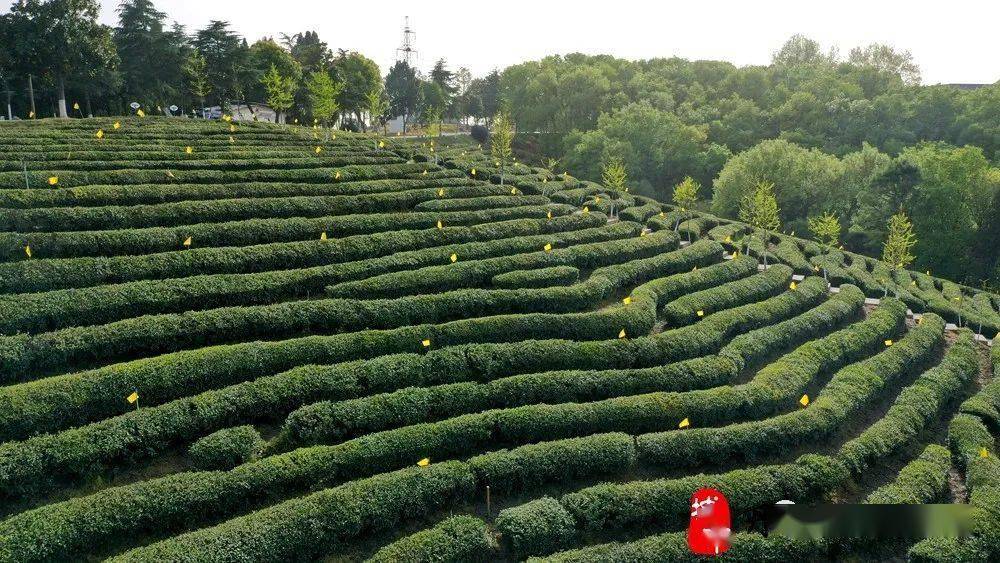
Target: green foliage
614	176
323	92
226	448
196	73
280	90
826	229
536	528
501	138
456	539
900	242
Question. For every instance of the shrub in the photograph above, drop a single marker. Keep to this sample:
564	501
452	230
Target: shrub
226	448
538	527
456	539
480	134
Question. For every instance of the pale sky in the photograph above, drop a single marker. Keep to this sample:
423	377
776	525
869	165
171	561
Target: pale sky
953	41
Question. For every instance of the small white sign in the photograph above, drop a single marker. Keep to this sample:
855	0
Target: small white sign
134	105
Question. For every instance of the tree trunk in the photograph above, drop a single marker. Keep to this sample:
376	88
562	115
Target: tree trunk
10	114
31	94
61	95
86	102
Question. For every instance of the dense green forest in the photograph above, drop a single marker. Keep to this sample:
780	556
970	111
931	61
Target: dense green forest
856	136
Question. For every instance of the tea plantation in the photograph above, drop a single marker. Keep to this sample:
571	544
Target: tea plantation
246	342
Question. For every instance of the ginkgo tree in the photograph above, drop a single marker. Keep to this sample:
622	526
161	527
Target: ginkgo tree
759	208
377	105
614	177
501	140
685	196
899	243
280	92
826	229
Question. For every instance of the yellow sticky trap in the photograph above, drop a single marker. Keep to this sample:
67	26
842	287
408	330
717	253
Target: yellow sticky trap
913	283
701	313
888	342
621	334
27	250
99	134
804	401
296	120
232	128
928	272
322	236
381	144
547	247
815	268
315	120
695	269
53	180
76	105
496	163
586	209
440	225
729	239
319	150
231	139
133	397
117	125
426	342
642	233
549	214
337	175
513	191
424	462
662	214
597	199
792	285
140	113
188	150
454	258
170	174
187	242
627	300
31	114
983	452
684	423
440	192
473	171
424	173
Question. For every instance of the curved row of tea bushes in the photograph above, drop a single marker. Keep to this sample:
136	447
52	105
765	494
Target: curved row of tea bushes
163	333
98	195
45	275
684	310
196	161
37	462
41	312
673	546
543	277
479	273
185	212
924	480
473	201
71	244
120	516
916	406
456	539
329	421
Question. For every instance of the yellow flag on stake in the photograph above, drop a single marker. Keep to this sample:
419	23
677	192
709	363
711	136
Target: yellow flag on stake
53	180
133	397
99	134
627	300
684	423
426	342
322	236
888	342
424	462
27	250
454	257
187	242
804	401
621	334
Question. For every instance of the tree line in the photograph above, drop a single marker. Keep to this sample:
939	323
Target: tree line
858	138
59	60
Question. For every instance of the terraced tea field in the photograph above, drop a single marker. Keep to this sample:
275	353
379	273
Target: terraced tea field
245	342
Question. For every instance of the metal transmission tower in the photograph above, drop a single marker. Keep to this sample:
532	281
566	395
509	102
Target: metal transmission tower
406	52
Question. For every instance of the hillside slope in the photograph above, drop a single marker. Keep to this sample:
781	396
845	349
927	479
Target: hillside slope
249	342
